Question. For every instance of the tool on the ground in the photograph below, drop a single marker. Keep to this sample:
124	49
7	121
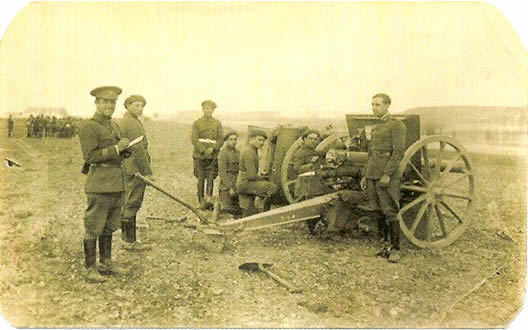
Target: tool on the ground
160	189
255	266
168	220
11	163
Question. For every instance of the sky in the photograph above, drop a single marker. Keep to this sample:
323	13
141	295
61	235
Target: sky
294	57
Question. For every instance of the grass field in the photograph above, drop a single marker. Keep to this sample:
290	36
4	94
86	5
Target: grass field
179	284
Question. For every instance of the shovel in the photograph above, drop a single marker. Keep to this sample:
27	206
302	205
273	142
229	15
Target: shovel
255	267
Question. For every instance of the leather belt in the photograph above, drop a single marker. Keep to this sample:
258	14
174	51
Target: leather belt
381	153
206	140
105	165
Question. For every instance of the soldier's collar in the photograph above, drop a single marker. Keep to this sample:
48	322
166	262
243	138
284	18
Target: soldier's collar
128	113
386	116
101	118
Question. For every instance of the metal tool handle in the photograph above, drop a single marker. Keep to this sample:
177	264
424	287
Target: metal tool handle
155	186
291	288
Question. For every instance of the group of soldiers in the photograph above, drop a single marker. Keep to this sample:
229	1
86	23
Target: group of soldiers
50	126
115	193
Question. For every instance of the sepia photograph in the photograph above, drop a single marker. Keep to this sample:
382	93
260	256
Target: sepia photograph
251	164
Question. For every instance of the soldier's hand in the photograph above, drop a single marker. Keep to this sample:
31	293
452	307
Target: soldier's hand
363	183
384	181
314	159
208	152
122	144
232	192
150	177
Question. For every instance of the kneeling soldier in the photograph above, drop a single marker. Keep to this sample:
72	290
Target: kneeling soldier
249	182
102	148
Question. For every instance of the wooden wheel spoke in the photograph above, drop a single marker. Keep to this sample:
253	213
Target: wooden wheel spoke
429	223
440	217
457	180
419	216
460	196
413	188
427	165
413	203
420	175
449	166
453	212
438	163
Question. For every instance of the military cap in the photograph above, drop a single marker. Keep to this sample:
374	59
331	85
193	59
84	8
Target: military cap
258	132
135	98
210	103
229	133
106	92
310	131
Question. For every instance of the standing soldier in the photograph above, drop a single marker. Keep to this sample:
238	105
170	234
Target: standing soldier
385	151
207	138
139	162
249	182
228	159
29	126
102	148
10	125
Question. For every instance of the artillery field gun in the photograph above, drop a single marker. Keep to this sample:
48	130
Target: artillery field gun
437	184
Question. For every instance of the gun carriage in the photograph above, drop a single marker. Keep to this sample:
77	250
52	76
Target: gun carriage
436	193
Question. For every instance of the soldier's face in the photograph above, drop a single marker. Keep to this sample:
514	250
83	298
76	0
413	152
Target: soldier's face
258	141
379	108
311	140
136	108
208	110
105	107
232	141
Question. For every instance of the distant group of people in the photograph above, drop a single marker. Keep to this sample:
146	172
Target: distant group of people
115	193
50	126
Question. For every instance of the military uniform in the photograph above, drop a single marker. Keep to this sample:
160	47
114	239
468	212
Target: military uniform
308	186
139	162
206	132
99	138
249	182
10	125
385	151
228	160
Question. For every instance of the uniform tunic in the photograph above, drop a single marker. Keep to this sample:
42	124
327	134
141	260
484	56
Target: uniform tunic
249	181
386	150
105	179
206	132
308	186
139	162
228	159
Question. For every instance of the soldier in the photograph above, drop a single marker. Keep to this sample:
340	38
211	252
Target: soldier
29	126
139	162
102	148
207	138
228	159
249	182
307	159
10	125
385	151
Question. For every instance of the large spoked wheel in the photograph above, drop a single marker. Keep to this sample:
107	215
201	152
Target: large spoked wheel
288	177
438	191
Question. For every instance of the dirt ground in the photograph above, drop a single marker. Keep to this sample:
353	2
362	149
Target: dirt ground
180	284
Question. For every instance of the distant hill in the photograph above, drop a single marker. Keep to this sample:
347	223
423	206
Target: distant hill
470	117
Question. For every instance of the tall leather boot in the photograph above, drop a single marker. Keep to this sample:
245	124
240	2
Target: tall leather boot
200	191
105	257
394	228
124	229
132	244
383	228
92	276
